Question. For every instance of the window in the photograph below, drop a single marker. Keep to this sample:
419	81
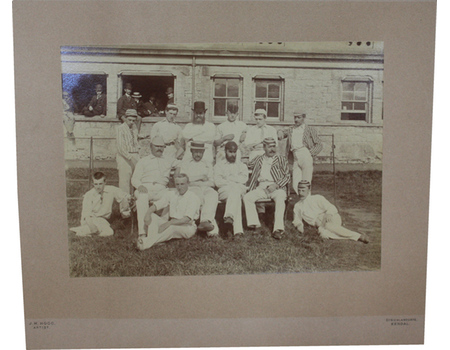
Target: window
355	101
227	89
81	88
148	84
269	96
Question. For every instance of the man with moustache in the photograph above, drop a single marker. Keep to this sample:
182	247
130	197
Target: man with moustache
150	178
230	130
180	210
149	108
201	175
199	130
127	150
97	105
230	177
257	133
318	212
269	180
170	96
170	132
303	143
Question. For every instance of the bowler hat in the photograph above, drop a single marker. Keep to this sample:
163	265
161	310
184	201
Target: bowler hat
199	107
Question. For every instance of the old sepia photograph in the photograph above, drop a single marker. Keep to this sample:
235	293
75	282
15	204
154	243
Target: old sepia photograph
225	158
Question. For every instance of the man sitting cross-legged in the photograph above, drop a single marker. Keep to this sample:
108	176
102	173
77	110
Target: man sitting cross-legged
97	207
180	210
201	175
318	212
269	180
230	176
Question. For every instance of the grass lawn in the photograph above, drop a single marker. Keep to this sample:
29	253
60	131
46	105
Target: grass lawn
359	203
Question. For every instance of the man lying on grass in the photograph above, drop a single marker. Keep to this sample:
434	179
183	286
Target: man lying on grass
180	210
97	207
319	212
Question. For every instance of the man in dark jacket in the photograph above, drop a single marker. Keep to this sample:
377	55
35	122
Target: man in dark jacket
97	105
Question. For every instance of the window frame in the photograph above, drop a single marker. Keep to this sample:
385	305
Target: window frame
280	100
227	77
368	101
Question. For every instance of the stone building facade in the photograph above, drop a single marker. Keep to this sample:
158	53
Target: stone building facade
338	85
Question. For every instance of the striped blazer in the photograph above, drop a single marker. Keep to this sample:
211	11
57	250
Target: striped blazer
311	139
279	171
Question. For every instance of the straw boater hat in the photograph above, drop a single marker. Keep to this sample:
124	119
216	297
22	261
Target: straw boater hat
199	107
131	113
136	95
197	145
261	111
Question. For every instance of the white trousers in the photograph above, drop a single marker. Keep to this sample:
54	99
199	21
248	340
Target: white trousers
333	229
209	200
155	192
94	225
278	196
303	167
174	231
233	207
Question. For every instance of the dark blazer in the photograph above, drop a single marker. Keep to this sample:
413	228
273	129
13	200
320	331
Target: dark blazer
99	105
279	171
311	139
123	104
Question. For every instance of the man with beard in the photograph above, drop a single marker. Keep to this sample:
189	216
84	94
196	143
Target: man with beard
127	150
180	210
230	130
257	133
269	180
303	143
230	177
97	208
150	178
199	130
201	175
97	105
170	132
318	212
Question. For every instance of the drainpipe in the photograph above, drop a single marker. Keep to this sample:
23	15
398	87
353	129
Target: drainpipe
193	80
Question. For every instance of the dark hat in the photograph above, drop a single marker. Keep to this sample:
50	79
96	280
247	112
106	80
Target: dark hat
233	108
197	145
231	146
199	107
136	95
169	90
304	183
269	141
128	86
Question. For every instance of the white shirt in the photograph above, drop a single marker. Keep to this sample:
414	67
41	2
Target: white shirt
226	173
197	170
180	206
151	170
265	176
236	128
100	205
255	134
297	137
311	208
170	132
200	132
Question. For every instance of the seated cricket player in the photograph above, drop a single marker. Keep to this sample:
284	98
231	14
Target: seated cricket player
97	208
320	213
180	210
230	177
201	175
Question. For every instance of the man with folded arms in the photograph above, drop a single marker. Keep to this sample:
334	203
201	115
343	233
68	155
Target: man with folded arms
201	176
170	132
257	133
230	177
230	130
269	180
180	210
97	105
320	213
97	208
150	178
